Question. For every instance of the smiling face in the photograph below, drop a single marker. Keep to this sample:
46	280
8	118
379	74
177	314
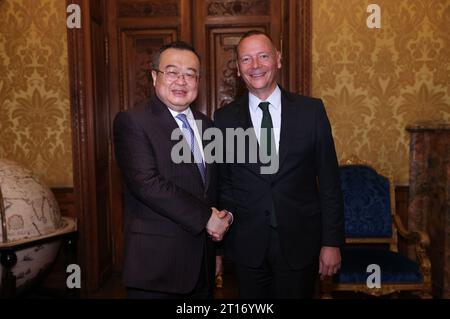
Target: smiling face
177	94
258	64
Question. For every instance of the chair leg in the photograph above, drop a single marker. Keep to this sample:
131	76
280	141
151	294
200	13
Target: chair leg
425	295
219	280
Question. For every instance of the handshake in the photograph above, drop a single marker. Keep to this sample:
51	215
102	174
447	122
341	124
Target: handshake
218	223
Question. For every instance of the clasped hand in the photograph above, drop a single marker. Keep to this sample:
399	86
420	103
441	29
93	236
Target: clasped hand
218	224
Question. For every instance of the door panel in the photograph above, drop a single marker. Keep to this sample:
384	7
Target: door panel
137	49
218	27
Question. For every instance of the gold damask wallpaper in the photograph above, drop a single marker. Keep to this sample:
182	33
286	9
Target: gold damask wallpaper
373	81
376	81
34	88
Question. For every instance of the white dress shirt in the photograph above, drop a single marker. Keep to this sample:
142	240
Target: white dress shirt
192	123
256	113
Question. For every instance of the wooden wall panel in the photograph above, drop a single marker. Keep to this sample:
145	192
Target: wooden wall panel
137	48
217	31
65	197
146	9
102	146
215	8
224	84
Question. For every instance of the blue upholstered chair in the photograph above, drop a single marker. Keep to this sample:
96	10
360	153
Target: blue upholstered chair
371	229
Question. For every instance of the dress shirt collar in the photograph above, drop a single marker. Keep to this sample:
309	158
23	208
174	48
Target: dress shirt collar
188	112
274	99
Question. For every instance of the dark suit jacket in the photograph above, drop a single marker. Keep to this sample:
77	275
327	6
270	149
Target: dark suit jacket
305	192
167	206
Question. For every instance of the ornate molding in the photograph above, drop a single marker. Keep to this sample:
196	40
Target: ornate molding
227	90
237	8
305	48
143	81
139	9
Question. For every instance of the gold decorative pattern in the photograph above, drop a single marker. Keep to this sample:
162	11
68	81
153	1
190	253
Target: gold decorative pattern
34	88
375	82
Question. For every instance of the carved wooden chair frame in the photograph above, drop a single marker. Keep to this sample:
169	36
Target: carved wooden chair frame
421	242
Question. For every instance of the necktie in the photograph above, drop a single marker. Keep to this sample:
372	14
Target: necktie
190	137
267	139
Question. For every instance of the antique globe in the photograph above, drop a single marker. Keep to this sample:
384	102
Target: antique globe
31	226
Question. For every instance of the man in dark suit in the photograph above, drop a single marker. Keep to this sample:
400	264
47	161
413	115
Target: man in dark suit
168	205
288	225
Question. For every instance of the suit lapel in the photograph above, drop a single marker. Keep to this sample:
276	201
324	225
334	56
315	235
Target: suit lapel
165	120
245	122
168	124
288	126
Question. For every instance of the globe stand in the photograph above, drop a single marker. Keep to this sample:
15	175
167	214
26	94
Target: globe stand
8	258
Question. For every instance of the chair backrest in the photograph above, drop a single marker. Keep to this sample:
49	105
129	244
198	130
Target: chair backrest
369	205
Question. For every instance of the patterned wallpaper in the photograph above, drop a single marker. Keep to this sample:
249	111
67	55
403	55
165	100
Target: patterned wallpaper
34	88
376	81
373	81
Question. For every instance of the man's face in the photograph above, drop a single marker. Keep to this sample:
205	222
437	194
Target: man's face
258	63
177	92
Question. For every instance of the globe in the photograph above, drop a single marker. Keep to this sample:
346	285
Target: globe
29	212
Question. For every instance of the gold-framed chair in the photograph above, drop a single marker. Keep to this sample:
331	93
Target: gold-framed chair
371	229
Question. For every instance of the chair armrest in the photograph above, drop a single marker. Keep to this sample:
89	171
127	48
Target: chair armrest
420	237
422	241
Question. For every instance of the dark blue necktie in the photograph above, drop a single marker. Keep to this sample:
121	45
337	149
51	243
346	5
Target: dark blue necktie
190	137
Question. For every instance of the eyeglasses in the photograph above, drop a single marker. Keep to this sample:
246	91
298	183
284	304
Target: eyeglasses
173	75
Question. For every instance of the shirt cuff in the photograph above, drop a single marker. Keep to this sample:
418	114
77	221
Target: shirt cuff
232	217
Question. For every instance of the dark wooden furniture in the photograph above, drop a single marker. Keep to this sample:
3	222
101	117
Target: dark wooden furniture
429	196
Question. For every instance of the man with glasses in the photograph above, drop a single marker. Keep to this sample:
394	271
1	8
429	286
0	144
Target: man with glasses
170	220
